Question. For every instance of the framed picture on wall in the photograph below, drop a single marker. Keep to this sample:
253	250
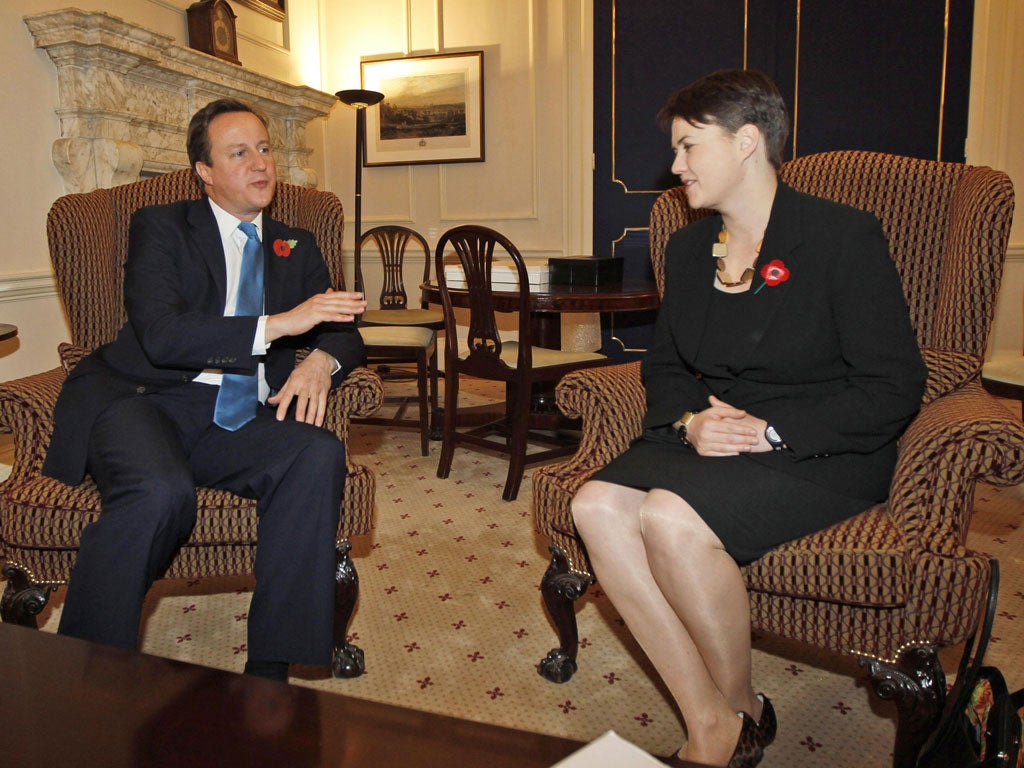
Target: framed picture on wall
272	8
432	112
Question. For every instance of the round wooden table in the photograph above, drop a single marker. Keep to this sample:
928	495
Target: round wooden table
8	331
548	303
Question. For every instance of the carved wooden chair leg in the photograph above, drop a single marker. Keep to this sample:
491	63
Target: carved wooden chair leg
435	410
23	598
348	658
561	588
917	685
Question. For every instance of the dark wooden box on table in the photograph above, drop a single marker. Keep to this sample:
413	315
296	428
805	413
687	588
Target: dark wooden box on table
586	270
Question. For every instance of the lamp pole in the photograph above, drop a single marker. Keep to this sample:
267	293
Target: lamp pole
359	100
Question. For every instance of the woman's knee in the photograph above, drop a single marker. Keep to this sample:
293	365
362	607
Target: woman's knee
604	508
668	523
587	506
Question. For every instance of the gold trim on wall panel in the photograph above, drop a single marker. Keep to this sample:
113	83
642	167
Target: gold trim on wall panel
625	233
615	178
746	28
611	315
945	71
796	78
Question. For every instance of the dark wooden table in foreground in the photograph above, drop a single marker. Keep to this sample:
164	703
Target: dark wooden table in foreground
65	702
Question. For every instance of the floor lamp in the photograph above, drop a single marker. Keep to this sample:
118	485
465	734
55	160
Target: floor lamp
359	100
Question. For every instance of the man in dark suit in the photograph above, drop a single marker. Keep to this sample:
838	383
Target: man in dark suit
200	387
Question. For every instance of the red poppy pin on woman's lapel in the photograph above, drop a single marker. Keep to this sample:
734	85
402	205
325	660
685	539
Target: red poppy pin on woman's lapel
774	272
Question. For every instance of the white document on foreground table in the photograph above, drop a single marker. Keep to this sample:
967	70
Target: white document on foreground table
609	751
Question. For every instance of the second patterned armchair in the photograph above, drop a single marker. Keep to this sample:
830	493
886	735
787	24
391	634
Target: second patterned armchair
895	583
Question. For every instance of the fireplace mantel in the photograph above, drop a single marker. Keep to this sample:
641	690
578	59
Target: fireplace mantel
126	95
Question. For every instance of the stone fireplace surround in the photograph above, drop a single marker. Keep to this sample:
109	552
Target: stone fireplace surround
126	95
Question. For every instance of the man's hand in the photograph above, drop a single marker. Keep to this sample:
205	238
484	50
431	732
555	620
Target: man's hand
328	307
722	430
309	385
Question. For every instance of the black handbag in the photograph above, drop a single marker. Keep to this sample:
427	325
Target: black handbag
981	724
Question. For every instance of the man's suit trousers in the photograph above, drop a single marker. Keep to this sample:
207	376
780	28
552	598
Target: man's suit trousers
147	454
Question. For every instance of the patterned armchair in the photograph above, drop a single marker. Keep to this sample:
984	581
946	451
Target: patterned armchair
896	582
41	519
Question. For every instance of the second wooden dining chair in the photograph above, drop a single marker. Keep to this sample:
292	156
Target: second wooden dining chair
518	364
397	332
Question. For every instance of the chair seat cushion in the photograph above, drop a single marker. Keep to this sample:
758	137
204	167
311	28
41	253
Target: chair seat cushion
396	336
860	561
543	357
48	514
402	317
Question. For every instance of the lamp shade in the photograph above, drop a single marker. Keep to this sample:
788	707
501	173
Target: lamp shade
359	98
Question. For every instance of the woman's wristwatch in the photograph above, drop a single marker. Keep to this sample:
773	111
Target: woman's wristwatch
774	438
682	424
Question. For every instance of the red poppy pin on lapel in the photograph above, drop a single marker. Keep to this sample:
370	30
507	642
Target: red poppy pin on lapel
283	248
774	272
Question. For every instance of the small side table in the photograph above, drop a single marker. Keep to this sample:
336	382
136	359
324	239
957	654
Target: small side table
8	331
1003	375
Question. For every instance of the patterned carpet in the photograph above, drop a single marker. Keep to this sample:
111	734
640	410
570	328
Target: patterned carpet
451	620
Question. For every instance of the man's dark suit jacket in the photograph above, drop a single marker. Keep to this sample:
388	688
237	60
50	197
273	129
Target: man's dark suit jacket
833	364
175	289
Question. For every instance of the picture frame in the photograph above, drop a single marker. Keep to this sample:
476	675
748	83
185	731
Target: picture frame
275	9
432	112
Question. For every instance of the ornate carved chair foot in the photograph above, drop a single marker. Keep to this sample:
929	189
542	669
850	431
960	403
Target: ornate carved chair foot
561	587
348	658
23	597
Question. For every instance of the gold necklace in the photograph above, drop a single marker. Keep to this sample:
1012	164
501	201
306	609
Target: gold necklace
720	250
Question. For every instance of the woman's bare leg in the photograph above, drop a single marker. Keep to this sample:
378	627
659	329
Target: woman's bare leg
619	526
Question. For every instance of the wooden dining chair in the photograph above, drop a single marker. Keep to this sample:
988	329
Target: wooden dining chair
399	333
518	364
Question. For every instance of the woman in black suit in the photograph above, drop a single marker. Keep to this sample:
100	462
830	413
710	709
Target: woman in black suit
782	370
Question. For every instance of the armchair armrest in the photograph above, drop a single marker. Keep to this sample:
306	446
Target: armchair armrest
26	410
611	401
955	441
360	394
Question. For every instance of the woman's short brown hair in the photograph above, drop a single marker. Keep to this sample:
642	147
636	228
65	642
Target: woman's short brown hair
730	99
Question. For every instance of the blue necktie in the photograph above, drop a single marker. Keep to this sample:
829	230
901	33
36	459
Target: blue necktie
239	392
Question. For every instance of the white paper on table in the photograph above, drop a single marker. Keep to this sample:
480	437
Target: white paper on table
609	751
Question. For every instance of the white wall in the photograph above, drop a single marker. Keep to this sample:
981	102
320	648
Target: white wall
993	138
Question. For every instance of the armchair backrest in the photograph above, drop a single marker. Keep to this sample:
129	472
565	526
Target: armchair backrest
88	237
948	226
